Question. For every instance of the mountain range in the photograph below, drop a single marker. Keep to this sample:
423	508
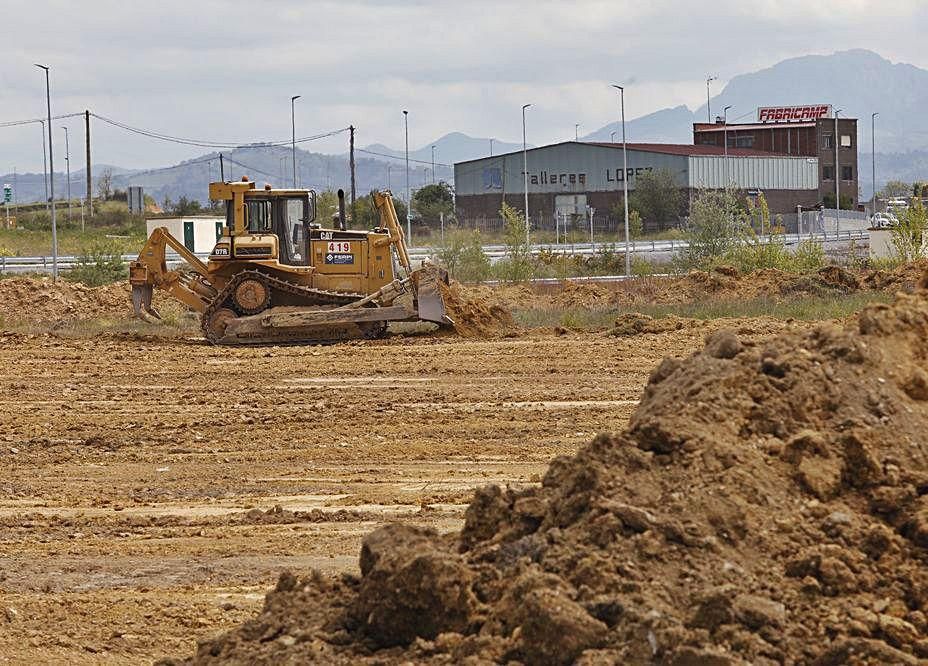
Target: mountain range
858	82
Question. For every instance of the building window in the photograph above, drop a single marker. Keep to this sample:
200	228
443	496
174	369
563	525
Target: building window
828	173
845	140
827	142
847	173
744	141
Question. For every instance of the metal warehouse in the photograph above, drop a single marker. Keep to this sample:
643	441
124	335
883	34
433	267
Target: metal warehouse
571	176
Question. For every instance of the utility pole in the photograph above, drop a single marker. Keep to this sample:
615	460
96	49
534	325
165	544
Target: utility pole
51	174
628	260
433	165
576	131
293	135
351	165
525	174
873	160
708	102
408	201
67	161
389	187
89	178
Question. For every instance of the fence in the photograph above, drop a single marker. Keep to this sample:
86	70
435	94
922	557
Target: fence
832	221
603	225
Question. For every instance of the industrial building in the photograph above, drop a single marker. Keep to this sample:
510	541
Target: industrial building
571	176
801	131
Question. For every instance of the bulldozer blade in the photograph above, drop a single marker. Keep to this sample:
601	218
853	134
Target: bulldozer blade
141	301
429	299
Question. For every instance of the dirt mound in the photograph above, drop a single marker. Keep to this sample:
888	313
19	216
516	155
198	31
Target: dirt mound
635	323
30	300
582	295
902	278
476	311
768	503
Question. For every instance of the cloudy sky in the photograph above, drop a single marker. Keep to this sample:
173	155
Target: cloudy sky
224	70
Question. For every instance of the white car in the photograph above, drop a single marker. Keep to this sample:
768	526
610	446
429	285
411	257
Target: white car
883	220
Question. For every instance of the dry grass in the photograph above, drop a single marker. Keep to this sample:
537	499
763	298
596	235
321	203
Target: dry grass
807	308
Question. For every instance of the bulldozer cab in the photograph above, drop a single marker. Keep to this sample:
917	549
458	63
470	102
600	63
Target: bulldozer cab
253	215
286	216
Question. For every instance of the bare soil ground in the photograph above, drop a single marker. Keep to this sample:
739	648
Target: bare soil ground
151	492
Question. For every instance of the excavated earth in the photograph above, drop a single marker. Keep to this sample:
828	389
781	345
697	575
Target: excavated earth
763	502
767	503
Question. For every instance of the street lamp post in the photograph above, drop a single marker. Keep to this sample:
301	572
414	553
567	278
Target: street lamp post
67	161
725	139
628	260
525	173
873	160
44	164
293	135
611	137
837	176
408	202
51	173
709	79
491	147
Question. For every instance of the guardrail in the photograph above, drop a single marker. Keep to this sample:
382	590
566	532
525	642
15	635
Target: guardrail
43	264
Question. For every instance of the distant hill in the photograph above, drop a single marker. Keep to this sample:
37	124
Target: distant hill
451	148
666	126
858	81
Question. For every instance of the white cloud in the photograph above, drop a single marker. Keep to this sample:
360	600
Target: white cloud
225	70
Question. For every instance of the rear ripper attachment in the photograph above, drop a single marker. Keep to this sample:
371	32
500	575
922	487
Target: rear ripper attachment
274	276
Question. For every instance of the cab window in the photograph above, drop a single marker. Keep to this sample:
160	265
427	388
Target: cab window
294	213
258	216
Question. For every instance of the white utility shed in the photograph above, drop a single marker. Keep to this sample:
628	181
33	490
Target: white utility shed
198	234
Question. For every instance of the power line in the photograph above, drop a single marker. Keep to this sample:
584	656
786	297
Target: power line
251	168
205	143
13	123
395	157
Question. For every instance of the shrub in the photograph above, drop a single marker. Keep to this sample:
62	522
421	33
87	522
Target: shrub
99	265
517	266
462	254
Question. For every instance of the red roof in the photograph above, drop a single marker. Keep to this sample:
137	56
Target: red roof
688	149
720	127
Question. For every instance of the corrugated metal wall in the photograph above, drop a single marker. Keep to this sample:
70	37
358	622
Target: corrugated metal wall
763	173
565	168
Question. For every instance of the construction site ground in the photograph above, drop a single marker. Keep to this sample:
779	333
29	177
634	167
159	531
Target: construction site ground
153	491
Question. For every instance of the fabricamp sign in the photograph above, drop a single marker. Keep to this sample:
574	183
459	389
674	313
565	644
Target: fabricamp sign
794	114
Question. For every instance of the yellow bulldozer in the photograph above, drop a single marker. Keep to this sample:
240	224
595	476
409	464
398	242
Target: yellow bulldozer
276	276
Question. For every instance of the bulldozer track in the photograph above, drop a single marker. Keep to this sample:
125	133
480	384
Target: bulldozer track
314	297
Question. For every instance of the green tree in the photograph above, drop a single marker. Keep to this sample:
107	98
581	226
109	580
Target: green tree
326	208
185	207
714	228
908	235
847	203
431	201
893	189
366	215
657	198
